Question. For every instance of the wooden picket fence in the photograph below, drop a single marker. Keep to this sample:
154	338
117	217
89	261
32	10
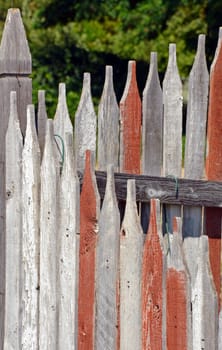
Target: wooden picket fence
118	251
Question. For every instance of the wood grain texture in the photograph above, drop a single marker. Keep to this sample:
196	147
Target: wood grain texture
213	216
190	192
69	195
41	120
153	284
196	133
130	124
48	243
13	224
217	49
179	333
190	249
152	131
62	122
107	271
89	215
108	125
172	130
131	244
85	124
204	303
30	237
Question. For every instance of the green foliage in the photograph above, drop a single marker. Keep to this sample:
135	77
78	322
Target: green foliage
69	37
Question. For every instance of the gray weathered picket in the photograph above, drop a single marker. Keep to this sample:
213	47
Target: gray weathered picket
172	127
85	124
48	244
108	120
69	194
131	244
15	68
30	234
13	224
196	133
107	270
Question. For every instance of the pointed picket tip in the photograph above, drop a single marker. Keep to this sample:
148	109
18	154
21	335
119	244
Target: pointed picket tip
218	48
131	81
62	122
153	75
85	124
175	256
110	185
15	56
90	178
172	59
31	128
108	85
41	119
131	195
49	149
86	91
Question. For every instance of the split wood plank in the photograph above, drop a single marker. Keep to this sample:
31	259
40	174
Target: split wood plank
108	125
130	124
204	303
13	247
69	194
179	332
213	216
15	68
190	192
172	127
48	243
152	130
196	134
41	120
85	124
30	238
131	245
62	122
89	215
153	284
107	271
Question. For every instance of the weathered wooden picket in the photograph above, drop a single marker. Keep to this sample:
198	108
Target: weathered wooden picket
92	259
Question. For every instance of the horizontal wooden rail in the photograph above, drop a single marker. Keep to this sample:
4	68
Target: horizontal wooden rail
167	189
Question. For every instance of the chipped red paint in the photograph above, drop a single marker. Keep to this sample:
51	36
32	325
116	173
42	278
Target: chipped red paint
130	118
214	166
86	294
177	334
152	287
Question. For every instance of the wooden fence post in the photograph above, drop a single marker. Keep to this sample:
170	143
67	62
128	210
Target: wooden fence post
172	134
68	228
153	284
48	244
15	68
89	214
152	130
130	124
30	238
13	159
108	125
41	120
85	125
131	245
204	303
213	216
179	333
107	271
196	134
